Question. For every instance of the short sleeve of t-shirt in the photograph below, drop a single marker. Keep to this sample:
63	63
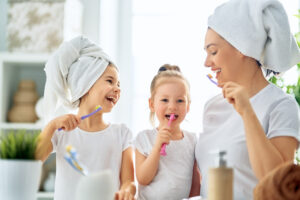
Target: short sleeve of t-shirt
126	137
284	119
142	143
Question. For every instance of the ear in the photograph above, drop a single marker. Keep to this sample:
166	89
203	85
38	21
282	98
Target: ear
188	107
151	104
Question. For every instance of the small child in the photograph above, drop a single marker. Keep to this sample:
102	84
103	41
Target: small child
80	75
174	176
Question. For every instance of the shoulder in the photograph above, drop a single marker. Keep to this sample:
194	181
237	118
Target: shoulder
191	136
119	127
215	101
279	99
146	134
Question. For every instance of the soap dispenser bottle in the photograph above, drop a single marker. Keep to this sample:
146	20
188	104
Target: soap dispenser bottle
220	181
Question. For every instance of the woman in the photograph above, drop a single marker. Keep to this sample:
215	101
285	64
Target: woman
254	121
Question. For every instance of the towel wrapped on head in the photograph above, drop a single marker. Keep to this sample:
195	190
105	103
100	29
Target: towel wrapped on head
282	183
258	29
70	72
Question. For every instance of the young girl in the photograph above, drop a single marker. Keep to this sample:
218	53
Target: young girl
81	75
170	176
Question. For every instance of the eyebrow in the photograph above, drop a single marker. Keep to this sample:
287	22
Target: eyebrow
113	78
207	46
110	77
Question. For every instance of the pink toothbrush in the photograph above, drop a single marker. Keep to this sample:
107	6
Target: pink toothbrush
163	147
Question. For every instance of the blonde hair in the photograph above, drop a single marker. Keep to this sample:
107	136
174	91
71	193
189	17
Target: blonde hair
166	71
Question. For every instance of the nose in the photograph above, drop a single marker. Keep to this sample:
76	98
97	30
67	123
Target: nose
117	89
172	106
208	62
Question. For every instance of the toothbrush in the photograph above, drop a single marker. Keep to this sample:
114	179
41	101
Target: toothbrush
163	147
98	108
209	76
71	158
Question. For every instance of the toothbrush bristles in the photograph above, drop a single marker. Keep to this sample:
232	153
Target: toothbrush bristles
209	75
68	148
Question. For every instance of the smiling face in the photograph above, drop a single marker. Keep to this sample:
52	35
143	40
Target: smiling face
170	97
105	91
223	58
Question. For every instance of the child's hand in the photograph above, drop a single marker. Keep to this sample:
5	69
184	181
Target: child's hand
163	136
124	195
66	122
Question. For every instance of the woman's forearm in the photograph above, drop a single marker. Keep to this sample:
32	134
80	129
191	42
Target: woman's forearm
262	153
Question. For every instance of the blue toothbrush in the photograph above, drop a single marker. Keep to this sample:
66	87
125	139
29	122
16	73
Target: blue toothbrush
71	158
209	76
98	108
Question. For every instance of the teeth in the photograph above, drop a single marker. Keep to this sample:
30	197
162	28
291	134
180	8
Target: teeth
112	98
219	70
168	116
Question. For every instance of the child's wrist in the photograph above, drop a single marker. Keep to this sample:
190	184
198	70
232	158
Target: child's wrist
156	148
52	126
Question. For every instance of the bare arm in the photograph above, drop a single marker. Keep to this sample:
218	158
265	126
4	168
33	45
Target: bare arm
265	154
127	188
196	182
44	147
146	167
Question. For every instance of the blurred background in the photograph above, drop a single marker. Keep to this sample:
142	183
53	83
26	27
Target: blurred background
140	35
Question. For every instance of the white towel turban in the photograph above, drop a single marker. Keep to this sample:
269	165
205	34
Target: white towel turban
258	29
70	72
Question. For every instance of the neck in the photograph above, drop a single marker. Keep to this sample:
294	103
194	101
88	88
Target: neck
92	123
255	82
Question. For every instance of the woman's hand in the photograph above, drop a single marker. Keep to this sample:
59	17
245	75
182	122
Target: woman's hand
237	96
124	194
163	136
67	122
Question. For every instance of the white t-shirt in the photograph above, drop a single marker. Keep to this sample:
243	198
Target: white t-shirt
223	129
96	151
174	176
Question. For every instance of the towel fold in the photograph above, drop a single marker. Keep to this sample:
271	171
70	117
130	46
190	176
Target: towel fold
282	183
258	29
70	72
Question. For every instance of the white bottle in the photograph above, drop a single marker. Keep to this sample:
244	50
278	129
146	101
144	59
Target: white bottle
220	181
50	182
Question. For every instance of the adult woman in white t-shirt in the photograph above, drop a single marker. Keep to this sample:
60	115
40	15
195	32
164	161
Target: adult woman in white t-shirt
254	121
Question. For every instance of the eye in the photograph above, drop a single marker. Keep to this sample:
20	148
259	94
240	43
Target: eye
164	100
180	100
110	81
214	53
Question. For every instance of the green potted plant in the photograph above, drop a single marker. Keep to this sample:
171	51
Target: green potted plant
19	171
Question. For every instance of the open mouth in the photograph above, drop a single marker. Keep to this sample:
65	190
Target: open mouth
168	116
112	99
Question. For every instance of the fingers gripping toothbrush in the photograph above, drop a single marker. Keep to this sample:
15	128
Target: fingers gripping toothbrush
98	108
163	147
